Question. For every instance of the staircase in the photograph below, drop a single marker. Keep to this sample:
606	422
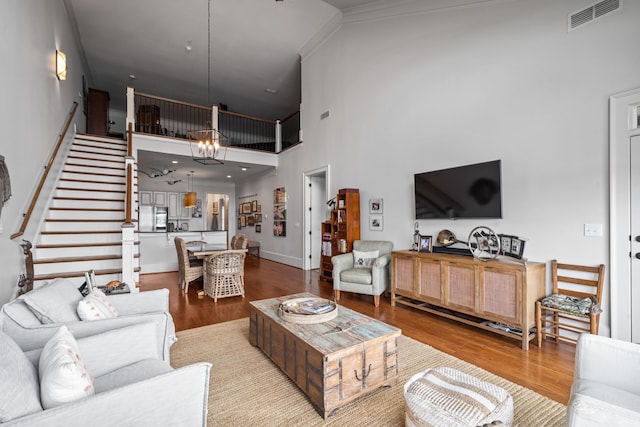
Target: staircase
82	228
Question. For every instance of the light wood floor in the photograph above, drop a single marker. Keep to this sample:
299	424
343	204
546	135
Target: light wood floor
547	370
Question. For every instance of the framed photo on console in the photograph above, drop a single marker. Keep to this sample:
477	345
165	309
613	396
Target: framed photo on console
426	243
511	246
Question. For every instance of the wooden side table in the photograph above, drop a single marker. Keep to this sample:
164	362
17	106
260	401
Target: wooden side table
253	248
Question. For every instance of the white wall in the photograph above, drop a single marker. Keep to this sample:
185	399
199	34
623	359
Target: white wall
33	107
415	92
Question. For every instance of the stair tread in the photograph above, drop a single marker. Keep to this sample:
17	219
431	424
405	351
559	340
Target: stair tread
90	181
87	209
122	175
84	165
85	232
90	189
79	259
88	199
85	220
95	160
97	147
110	140
79	245
80	274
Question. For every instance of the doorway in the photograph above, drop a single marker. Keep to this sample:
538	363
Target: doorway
624	154
316	187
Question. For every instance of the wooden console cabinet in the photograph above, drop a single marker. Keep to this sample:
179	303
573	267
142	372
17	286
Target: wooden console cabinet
470	291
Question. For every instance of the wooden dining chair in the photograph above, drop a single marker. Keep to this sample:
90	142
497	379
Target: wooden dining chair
574	306
188	269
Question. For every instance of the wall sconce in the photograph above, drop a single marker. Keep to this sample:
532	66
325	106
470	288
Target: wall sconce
61	65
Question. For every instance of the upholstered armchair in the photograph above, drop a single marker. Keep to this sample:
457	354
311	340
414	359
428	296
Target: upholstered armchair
366	270
605	389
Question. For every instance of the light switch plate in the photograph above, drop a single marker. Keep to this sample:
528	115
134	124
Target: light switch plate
591	230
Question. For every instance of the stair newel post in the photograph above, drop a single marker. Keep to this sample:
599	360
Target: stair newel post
128	227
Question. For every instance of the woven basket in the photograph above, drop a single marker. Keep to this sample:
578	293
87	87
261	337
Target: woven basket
291	311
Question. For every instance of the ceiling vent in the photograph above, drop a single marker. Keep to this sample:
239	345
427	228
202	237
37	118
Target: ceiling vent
593	12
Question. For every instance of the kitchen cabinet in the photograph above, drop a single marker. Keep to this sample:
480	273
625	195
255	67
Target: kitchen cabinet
174	204
145	198
160	198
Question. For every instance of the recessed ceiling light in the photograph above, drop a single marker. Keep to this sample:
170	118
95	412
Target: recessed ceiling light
228	176
175	162
132	76
269	90
243	168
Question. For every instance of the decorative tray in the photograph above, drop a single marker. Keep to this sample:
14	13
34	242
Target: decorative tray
308	310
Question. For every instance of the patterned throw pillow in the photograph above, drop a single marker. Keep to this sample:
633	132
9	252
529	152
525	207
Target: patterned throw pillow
96	306
364	259
63	376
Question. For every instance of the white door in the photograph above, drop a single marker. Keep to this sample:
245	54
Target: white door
315	209
635	238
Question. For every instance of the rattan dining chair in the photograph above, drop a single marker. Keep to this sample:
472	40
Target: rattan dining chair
188	269
224	274
574	306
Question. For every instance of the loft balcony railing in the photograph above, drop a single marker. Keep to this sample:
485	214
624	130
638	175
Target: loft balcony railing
170	118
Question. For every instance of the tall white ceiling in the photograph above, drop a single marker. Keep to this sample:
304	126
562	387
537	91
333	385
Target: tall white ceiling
254	47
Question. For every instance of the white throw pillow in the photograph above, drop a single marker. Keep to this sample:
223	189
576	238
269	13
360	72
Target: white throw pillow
96	306
364	259
63	375
54	302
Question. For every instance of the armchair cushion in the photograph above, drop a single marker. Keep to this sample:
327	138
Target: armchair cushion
63	374
360	275
54	302
364	259
20	391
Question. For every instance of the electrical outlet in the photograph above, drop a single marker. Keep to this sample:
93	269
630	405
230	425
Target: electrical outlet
591	230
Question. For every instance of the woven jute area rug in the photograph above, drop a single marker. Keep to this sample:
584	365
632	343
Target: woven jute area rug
247	389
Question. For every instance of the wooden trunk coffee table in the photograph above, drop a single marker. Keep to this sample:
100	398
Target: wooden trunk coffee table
333	362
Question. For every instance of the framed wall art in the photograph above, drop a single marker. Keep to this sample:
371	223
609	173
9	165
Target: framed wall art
375	206
258	228
375	222
254	206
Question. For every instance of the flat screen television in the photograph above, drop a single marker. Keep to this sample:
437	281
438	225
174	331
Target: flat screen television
470	191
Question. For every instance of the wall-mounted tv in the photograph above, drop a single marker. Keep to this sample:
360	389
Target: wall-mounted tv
470	191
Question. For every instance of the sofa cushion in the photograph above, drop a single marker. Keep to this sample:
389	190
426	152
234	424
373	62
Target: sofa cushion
607	393
63	375
364	259
55	302
361	276
96	306
20	392
130	374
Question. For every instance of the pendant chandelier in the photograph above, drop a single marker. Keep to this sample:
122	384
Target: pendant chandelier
190	197
208	146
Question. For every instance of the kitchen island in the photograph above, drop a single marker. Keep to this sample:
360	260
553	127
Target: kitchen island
158	250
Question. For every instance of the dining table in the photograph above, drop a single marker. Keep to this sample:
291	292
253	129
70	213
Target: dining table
203	250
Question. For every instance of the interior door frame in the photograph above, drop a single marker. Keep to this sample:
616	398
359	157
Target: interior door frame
306	180
622	127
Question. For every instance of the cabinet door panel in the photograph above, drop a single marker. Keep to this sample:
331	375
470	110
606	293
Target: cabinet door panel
172	200
146	198
502	295
403	274
160	198
462	286
430	284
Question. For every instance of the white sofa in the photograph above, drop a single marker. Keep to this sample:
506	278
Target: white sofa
606	386
133	385
21	322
